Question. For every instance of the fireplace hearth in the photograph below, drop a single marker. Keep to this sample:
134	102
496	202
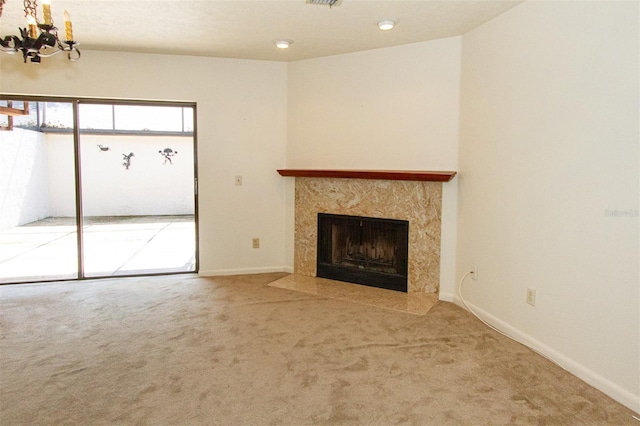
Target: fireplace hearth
363	250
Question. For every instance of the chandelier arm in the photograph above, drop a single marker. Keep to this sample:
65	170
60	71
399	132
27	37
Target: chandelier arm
6	44
48	55
74	58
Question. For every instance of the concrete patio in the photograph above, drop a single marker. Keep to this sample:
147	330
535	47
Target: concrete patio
114	246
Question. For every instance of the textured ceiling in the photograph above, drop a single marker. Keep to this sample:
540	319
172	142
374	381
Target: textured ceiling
247	28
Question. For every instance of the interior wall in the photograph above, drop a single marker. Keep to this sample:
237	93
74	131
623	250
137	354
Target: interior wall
241	113
392	108
549	183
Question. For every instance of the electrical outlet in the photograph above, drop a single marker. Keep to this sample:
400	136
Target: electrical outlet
238	180
474	272
531	297
256	243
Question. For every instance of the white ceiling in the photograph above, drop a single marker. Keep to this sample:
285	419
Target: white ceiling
247	28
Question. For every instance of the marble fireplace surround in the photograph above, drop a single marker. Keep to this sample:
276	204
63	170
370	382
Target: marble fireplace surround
415	196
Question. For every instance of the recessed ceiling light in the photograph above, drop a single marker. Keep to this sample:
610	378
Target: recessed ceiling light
386	25
283	44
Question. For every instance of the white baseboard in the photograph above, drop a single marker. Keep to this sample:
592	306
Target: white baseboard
611	389
448	297
244	271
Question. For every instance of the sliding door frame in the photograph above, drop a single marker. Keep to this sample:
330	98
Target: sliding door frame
75	102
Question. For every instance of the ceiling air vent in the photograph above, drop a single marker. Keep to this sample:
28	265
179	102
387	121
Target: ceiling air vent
329	3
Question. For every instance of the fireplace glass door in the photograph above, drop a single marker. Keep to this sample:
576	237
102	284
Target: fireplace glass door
363	250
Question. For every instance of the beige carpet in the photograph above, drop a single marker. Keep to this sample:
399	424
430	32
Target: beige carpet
233	351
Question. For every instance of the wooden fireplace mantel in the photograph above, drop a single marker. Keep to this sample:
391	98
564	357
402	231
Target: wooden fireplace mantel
416	175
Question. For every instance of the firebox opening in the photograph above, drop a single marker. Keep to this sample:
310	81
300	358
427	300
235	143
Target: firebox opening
363	250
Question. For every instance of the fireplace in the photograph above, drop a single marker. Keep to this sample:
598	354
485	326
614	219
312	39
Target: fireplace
418	202
363	250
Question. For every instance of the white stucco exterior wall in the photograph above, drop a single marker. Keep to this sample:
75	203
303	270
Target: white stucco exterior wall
148	187
23	178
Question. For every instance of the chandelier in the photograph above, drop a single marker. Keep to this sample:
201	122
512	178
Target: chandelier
40	39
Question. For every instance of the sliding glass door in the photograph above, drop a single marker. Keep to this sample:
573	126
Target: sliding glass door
38	227
110	193
137	188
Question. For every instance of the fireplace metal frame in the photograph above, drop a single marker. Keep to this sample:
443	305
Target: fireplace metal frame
326	269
